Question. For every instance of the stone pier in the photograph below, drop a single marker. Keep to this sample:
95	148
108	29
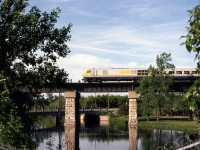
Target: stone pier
72	120
71	107
133	120
132	96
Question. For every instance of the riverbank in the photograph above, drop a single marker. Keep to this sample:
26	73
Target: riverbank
165	123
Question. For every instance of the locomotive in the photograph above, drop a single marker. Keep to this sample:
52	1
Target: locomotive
131	74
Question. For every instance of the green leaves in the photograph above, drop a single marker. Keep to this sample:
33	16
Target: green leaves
35	38
192	39
154	89
30	45
192	43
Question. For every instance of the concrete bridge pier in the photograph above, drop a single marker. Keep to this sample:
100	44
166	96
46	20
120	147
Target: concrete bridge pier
71	121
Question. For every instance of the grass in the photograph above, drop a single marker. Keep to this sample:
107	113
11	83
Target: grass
165	123
186	126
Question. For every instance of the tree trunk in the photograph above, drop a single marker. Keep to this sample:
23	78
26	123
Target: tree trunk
157	114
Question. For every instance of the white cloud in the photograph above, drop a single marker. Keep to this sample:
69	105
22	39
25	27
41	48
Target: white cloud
76	64
127	41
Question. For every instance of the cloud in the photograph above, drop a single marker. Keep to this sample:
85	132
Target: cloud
76	64
126	41
141	9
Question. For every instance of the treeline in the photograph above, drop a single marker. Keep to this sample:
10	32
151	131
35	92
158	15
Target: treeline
88	102
174	106
106	101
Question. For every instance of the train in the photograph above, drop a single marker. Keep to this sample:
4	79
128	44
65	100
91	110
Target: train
132	74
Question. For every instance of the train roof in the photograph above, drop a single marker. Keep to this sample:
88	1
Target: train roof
145	68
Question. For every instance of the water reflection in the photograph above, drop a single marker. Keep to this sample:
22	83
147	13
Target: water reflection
71	137
105	137
133	137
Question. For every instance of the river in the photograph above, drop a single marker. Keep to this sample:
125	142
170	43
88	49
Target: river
107	136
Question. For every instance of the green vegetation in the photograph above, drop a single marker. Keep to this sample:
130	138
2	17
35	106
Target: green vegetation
30	46
106	101
192	44
186	126
46	122
165	123
154	90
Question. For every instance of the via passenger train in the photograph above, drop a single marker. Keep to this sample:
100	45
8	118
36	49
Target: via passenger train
131	74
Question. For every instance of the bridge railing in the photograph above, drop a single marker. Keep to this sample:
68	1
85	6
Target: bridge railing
45	109
56	109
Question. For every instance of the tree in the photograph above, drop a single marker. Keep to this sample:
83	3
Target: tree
145	90
153	89
192	44
192	97
30	46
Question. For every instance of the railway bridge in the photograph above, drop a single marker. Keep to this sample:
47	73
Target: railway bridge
72	94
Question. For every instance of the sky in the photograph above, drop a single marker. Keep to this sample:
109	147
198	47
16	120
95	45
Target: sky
122	33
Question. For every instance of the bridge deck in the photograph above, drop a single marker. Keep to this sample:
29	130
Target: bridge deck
178	86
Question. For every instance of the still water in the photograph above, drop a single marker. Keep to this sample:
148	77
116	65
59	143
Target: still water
107	136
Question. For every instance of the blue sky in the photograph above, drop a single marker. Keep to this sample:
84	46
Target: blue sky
122	33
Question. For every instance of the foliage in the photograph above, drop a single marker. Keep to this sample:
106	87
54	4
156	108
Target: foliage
13	126
193	100
30	46
103	101
192	44
175	105
124	109
153	89
56	102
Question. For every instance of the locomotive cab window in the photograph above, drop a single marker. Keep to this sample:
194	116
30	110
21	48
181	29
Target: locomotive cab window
89	71
178	72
